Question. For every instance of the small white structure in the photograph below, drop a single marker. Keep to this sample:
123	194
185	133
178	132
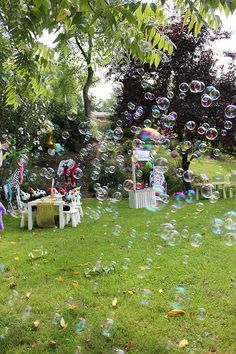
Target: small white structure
144	198
140	198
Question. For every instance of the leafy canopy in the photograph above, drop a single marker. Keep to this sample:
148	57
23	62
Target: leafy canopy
133	26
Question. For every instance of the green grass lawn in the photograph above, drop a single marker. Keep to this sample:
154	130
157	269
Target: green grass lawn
55	283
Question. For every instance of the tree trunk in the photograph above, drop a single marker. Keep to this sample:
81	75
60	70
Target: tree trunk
185	166
90	73
185	162
86	99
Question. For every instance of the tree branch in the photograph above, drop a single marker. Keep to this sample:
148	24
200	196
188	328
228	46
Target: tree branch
82	50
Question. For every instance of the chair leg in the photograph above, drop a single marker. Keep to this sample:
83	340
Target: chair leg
22	221
81	211
74	220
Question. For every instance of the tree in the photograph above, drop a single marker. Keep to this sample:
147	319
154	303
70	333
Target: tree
136	26
192	60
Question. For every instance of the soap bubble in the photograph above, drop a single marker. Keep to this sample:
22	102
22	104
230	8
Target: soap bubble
118	133
149	96
116	231
145	46
201	314
181	299
223	132
230	238
230	221
185	259
101	194
170	94
83	128
206	101
211	134
46	127
158	250
182	95
179	172
216	152
196	240
95	175
147	123
217	226
185	145
78	173
195	86
183	87
188	176
50	173
173	237
199	207
207	190
230	111
155	112
201	130
72	115
168	121
118	89
212	92
228	125
202	147
190	125
118	351
163	103
51	152
128	185
146	296
65	135
43	172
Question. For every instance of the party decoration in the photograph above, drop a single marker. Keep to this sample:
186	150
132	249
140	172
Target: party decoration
12	185
70	170
2	213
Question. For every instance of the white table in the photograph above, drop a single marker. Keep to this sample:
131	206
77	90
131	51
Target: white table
218	185
58	203
141	198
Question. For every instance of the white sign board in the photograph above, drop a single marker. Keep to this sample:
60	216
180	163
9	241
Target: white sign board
143	155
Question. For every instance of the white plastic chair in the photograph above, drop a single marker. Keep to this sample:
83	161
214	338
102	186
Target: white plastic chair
24	213
72	214
78	203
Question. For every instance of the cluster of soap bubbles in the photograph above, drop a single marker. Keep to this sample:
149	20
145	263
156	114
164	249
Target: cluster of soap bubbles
225	227
47	173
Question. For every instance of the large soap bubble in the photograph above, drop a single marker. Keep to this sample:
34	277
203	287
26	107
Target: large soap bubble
230	111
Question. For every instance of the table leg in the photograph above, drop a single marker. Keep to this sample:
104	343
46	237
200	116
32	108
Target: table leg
224	192
61	219
197	193
30	218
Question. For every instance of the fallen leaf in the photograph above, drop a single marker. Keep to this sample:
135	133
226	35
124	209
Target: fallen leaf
75	283
53	343
63	323
183	343
128	346
36	323
60	278
75	273
114	302
72	306
175	312
130	292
